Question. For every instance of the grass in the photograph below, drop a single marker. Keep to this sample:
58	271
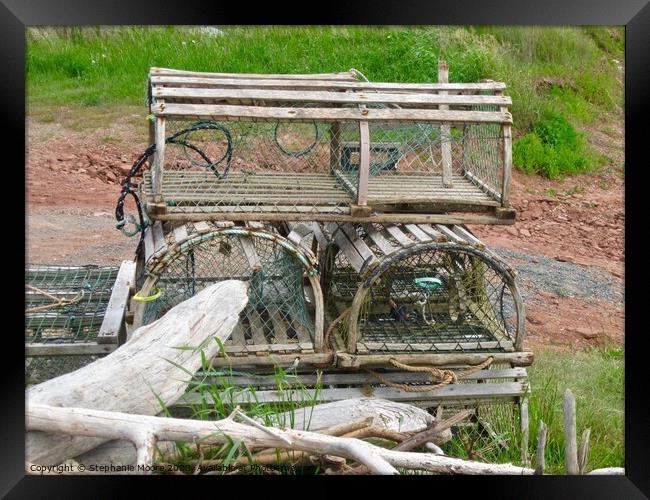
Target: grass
572	71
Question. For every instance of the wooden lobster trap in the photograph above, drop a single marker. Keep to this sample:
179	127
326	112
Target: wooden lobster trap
327	147
284	314
418	288
72	315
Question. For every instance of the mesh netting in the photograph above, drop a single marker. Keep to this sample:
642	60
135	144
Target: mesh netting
277	316
312	167
425	298
64	306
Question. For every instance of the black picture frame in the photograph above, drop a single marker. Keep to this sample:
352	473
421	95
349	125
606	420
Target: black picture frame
16	15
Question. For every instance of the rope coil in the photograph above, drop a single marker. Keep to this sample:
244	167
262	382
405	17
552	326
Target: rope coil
446	377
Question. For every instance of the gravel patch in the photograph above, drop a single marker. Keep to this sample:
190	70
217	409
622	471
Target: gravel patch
565	279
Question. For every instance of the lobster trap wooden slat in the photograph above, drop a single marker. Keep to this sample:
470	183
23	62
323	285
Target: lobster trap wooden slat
248	96
268	113
299	84
342	75
458	393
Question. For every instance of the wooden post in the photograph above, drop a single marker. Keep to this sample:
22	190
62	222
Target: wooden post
583	452
445	131
541	448
364	164
506	145
158	160
524	432
570	441
113	329
150	122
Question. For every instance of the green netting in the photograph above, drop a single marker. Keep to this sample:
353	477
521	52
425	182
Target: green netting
64	305
276	312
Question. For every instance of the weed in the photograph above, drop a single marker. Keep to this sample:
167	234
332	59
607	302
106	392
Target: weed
574	190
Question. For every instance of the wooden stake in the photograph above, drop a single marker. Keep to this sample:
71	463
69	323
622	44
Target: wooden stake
541	448
583	452
570	441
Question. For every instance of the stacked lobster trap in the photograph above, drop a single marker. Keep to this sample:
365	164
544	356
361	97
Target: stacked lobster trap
343	204
73	315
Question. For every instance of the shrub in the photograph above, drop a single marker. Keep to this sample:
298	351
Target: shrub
554	148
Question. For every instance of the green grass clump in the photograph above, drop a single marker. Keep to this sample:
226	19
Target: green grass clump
554	148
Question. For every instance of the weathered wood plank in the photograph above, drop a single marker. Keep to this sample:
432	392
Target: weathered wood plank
249	95
359	378
445	131
330	85
346	246
253	113
507	165
417	232
487	391
517	358
279	326
78	348
202	227
237	337
112	330
180	233
401	238
364	163
257	327
159	243
303	335
158	159
449	233
430	231
324	214
149	247
343	75
378	239
250	252
367	255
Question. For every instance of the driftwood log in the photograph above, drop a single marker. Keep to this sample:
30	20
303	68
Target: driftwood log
392	415
336	418
145	431
141	374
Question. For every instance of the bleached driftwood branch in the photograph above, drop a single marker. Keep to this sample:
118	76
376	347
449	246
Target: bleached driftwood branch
145	430
146	370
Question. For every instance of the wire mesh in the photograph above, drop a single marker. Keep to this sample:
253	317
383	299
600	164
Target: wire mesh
434	297
482	154
277	312
294	166
64	305
254	167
